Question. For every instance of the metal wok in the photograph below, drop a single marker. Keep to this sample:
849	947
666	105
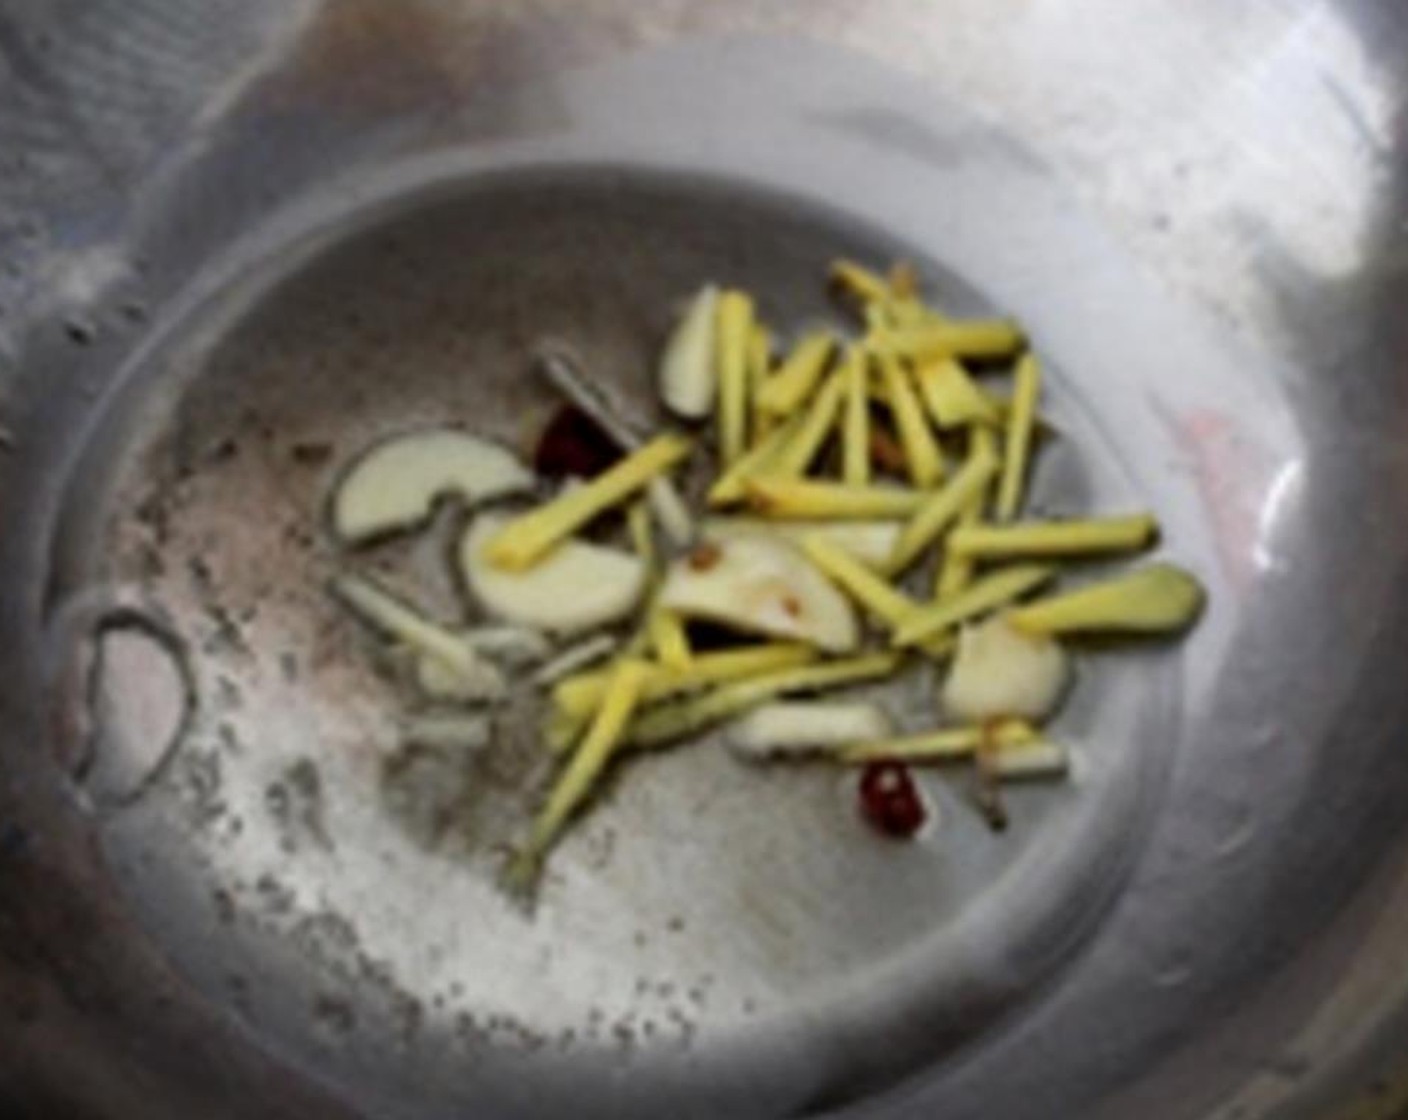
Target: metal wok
240	242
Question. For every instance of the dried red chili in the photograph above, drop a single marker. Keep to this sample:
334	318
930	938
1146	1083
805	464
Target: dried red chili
890	799
573	445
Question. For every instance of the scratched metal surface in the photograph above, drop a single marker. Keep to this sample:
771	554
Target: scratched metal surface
231	238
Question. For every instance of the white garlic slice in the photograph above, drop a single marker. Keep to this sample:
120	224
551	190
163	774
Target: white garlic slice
788	727
395	485
759	585
688	372
1000	672
870	542
578	586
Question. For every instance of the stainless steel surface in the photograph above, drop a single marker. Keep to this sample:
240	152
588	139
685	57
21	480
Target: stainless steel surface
279	226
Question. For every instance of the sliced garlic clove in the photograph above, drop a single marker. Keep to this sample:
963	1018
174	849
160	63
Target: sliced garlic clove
870	542
477	682
587	652
688	373
761	586
394	486
1000	672
575	587
480	680
451	663
793	727
514	646
452	732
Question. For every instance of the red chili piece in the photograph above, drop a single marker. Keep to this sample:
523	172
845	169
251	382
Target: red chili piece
573	445
890	800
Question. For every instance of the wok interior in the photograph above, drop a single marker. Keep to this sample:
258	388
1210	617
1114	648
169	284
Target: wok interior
728	933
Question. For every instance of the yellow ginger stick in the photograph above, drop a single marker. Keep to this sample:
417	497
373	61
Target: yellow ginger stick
855	425
955	572
941	508
1021	422
1154	600
642	532
735	327
576	782
578	696
732	484
893	607
759	366
947	745
885	602
951	397
858	282
795	498
993	590
1092	537
674	721
954	338
793	383
796	455
923	459
526	539
668	637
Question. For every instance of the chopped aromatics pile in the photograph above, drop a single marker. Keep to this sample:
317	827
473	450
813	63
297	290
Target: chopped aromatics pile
865	497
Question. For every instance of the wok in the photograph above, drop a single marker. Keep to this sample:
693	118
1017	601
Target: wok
244	240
